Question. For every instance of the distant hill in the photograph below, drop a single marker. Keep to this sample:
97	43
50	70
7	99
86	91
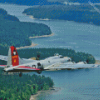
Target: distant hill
45	2
84	1
80	13
80	1
5	15
30	2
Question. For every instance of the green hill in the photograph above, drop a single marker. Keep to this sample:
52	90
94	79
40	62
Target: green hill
16	33
78	13
13	87
47	52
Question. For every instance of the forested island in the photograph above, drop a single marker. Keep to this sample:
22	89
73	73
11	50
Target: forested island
13	87
79	13
47	52
14	32
31	2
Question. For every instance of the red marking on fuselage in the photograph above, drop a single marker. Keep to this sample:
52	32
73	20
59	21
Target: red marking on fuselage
3	65
27	67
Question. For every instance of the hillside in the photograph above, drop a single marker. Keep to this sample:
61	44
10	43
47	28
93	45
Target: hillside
14	32
30	2
13	87
47	52
6	16
80	13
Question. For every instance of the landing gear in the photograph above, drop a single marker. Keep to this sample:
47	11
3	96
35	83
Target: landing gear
20	74
39	72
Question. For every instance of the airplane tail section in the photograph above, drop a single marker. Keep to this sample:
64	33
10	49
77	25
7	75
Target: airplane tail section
13	58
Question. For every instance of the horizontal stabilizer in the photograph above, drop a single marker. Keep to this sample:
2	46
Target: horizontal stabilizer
2	66
5	58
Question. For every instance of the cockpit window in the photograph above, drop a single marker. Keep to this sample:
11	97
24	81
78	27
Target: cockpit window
48	61
61	56
56	54
34	66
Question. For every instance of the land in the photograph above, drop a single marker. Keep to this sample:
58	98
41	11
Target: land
16	33
45	2
47	52
42	36
50	90
84	13
31	2
32	45
22	88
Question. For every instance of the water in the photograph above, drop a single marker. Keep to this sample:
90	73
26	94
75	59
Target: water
77	36
75	84
81	84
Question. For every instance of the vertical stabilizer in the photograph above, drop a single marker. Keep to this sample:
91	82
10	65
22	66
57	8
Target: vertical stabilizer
9	62
13	58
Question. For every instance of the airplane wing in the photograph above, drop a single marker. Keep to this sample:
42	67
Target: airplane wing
53	66
70	65
5	58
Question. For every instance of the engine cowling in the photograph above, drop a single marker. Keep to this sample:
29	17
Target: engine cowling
40	66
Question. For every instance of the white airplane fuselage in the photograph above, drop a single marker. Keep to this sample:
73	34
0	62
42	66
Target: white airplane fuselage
42	63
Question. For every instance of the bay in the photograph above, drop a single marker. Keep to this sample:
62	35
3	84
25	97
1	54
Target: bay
74	84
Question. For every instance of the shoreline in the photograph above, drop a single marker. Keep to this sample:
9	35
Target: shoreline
33	44
32	17
41	36
53	89
23	47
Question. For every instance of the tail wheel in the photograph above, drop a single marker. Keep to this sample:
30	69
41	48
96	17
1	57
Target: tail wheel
20	74
39	72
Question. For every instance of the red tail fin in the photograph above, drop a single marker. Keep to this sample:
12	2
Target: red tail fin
14	56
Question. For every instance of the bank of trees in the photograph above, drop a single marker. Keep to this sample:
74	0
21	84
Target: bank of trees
13	87
78	13
42	53
14	32
47	52
31	2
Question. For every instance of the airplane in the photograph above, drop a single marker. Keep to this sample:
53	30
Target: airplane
17	64
56	62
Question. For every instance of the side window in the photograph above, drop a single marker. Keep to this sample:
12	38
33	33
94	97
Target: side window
48	61
33	66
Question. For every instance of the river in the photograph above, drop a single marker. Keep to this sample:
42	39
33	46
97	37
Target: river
74	84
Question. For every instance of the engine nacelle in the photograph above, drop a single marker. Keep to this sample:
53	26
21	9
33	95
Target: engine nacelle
40	66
